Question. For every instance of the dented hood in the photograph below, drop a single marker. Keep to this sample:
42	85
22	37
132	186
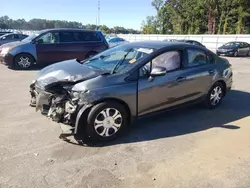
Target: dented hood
66	71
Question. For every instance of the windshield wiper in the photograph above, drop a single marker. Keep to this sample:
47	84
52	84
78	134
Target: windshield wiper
120	61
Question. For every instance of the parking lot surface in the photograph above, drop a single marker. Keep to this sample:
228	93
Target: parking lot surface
185	148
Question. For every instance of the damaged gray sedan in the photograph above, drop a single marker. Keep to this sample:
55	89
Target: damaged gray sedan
98	98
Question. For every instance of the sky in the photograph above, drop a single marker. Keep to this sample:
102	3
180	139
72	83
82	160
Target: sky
125	13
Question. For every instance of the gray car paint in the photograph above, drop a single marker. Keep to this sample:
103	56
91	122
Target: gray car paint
2	42
142	96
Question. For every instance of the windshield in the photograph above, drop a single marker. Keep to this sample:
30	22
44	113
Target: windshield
118	59
32	36
232	44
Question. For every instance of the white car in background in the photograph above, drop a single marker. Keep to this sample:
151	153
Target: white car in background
115	41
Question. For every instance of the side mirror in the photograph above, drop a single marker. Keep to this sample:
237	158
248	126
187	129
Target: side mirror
39	41
158	71
3	38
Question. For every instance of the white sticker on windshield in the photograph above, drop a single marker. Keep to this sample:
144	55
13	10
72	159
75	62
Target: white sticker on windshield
145	50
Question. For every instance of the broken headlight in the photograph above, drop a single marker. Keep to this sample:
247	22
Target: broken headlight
76	95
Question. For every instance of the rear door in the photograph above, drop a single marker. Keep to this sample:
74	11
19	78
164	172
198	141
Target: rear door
241	49
199	72
88	42
246	48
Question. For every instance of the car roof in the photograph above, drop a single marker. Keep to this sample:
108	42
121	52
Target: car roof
69	29
114	37
236	42
159	44
7	34
186	40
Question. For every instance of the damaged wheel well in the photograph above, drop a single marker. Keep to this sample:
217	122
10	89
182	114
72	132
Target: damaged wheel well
80	129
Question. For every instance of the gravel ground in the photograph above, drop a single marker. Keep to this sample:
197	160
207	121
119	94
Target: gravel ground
187	148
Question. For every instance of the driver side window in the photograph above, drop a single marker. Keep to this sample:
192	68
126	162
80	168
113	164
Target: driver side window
170	60
49	38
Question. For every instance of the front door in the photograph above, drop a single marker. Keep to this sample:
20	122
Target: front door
48	48
163	91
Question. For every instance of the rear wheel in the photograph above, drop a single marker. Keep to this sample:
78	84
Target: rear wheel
248	54
215	96
23	61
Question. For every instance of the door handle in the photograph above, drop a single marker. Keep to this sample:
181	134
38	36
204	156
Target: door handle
181	79
211	72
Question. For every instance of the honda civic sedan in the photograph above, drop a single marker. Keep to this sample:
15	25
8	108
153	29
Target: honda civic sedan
98	98
234	49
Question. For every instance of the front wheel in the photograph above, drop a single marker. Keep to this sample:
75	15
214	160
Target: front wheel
236	54
90	55
215	96
23	61
106	121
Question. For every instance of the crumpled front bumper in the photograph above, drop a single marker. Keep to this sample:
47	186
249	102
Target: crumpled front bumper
39	98
42	100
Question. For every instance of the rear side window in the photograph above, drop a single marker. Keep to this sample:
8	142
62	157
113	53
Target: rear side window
113	40
16	36
86	37
196	58
120	39
246	45
66	37
22	36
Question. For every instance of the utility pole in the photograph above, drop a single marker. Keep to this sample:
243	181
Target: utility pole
98	13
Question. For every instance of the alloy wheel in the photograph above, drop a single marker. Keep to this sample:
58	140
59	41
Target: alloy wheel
108	122
216	96
24	62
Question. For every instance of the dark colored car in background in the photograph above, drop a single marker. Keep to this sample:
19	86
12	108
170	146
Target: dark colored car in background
234	49
4	32
52	45
115	41
98	98
191	42
11	37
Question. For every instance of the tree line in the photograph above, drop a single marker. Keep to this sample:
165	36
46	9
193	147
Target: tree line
199	17
39	24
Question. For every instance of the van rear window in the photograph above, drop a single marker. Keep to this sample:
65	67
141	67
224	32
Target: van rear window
86	36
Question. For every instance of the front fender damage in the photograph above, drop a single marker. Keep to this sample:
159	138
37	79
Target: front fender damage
68	110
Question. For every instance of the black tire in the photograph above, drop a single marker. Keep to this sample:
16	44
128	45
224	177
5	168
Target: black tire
91	134
248	54
209	102
90	54
236	54
26	65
